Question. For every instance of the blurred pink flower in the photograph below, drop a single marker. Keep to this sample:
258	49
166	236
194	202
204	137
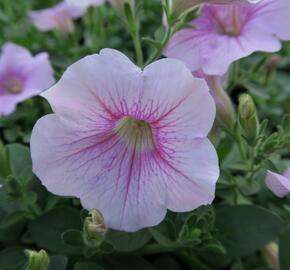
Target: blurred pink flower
180	6
127	141
224	34
21	76
279	184
59	17
85	3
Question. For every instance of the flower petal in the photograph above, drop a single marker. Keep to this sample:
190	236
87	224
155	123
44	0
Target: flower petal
278	184
95	86
273	16
192	175
13	57
39	75
103	171
185	109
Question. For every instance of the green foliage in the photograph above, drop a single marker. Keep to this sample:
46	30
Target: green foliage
127	242
245	216
47	230
284	247
87	266
244	229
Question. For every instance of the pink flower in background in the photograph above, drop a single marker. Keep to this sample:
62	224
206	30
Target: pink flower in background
180	6
85	3
58	17
279	184
224	34
127	141
21	76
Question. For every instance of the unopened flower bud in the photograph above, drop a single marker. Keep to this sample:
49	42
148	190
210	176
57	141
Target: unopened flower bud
273	62
248	118
37	260
94	229
271	255
225	110
119	4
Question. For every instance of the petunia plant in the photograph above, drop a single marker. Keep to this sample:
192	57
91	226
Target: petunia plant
144	135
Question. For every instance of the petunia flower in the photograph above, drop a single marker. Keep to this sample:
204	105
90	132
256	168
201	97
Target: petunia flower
279	184
224	34
180	6
85	3
127	141
22	76
59	17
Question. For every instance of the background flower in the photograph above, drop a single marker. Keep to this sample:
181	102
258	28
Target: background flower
85	3
279	184
59	17
180	6
223	34
130	143
21	76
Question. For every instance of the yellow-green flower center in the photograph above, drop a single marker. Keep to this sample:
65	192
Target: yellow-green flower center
13	85
137	133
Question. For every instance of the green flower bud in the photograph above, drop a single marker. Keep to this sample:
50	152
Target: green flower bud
94	229
248	118
119	5
37	260
270	253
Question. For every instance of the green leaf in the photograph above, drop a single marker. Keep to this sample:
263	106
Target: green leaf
12	258
47	229
284	247
12	232
244	229
73	238
126	242
58	262
164	233
129	263
166	262
87	266
20	161
12	219
4	164
286	123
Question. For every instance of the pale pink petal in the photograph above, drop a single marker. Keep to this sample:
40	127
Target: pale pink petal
278	184
113	179
185	108
85	3
13	57
7	106
186	173
39	75
287	173
59	17
273	16
94	86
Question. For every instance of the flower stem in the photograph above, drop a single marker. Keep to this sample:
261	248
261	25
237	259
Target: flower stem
192	261
159	50
137	45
